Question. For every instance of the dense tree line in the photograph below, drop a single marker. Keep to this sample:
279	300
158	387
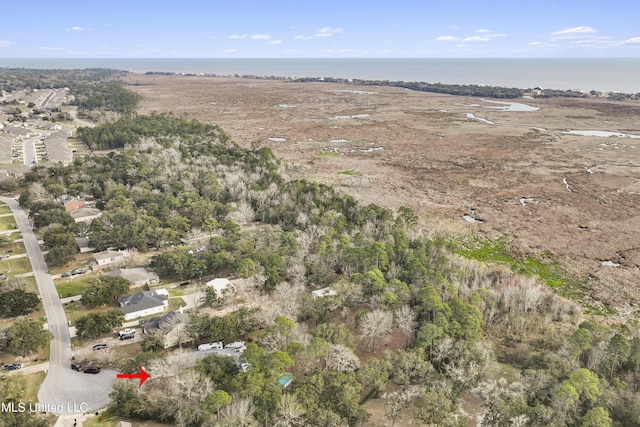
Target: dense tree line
111	96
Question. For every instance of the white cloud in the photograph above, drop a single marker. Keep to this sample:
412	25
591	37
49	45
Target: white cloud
574	30
274	42
632	40
482	30
56	49
260	37
78	28
231	51
447	39
5	43
474	39
328	32
301	37
237	36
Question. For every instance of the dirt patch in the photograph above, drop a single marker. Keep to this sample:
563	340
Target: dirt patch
443	164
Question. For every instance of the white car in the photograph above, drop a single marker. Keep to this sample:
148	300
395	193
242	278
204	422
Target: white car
127	332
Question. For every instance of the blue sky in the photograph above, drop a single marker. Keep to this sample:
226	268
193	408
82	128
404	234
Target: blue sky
322	29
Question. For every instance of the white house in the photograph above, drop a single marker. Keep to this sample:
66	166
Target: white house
324	292
144	303
108	259
221	286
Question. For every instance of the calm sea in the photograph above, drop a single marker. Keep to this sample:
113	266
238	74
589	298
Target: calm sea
602	74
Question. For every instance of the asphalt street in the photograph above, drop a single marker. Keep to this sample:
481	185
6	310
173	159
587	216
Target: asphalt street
70	391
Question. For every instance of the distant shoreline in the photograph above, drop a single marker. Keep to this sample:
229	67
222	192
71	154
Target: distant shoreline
577	74
489	91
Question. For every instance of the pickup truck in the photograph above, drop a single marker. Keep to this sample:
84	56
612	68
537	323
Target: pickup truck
127	332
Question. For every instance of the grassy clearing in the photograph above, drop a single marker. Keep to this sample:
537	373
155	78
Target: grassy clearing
547	270
7	223
75	310
12	267
175	293
4	209
33	383
327	154
350	172
12	248
175	303
68	288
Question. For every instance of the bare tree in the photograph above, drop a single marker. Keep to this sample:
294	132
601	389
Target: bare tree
397	401
342	358
239	413
290	412
376	324
406	321
182	397
243	213
37	193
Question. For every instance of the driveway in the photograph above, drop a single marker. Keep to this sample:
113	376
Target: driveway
71	391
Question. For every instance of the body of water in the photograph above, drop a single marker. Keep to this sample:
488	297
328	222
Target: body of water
600	74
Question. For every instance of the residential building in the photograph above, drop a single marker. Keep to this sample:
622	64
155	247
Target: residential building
136	276
144	303
172	326
110	259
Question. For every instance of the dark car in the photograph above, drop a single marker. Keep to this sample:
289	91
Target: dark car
76	367
92	370
127	336
66	274
12	367
77	271
99	346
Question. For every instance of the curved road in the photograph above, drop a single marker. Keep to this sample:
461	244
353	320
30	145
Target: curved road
70	391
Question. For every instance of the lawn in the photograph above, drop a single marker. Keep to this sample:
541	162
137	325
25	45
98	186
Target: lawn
68	287
12	267
33	382
12	248
7	223
175	303
4	209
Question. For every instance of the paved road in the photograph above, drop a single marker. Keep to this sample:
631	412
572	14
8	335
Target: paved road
29	150
62	386
79	122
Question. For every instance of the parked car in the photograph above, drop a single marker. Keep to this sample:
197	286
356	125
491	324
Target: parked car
12	367
4	256
127	331
76	367
127	336
99	346
66	274
92	370
77	271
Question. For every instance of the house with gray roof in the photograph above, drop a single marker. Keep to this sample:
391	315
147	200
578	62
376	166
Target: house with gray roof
172	327
144	303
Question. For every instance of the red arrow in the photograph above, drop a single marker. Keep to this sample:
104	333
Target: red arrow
142	375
